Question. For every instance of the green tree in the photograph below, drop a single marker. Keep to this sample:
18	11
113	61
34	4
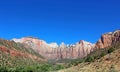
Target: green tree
111	50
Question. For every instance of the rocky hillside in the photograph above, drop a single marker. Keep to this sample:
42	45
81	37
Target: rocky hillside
78	50
13	54
107	63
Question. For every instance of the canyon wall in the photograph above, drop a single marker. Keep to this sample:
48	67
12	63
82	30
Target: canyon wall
62	51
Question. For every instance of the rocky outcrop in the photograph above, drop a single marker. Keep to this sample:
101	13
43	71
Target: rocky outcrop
108	39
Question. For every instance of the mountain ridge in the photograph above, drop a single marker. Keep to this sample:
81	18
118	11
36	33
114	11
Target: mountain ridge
62	51
29	52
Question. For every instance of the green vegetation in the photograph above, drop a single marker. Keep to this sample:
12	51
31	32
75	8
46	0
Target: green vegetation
89	59
18	63
33	68
24	64
97	54
111	50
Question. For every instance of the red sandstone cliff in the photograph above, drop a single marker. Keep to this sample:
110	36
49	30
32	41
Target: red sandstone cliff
52	51
108	39
78	50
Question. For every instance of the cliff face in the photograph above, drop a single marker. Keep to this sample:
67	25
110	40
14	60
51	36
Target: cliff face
78	50
53	51
108	39
37	45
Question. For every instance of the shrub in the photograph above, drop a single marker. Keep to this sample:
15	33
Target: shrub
111	50
80	60
89	59
58	67
102	54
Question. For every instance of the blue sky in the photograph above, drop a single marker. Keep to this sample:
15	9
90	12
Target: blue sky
59	20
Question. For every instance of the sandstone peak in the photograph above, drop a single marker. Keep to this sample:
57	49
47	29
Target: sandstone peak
62	45
35	41
85	42
53	45
108	39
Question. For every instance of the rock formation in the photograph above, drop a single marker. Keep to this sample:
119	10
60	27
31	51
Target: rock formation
108	39
53	51
78	50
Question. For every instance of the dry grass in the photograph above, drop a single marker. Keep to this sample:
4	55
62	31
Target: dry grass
108	63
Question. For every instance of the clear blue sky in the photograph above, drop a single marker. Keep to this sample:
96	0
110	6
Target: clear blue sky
59	20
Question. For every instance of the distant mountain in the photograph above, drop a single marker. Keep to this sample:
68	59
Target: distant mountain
78	50
53	51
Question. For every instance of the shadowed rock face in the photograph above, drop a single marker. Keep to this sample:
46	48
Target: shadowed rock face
108	39
78	50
